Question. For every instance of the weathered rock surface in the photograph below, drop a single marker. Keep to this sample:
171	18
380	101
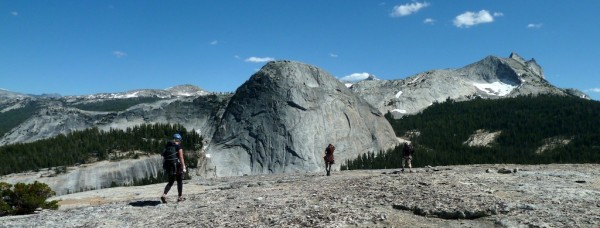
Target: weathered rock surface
92	176
283	117
453	196
11	100
482	137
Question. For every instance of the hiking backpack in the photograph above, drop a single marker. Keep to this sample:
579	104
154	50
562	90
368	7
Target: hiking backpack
170	158
170	152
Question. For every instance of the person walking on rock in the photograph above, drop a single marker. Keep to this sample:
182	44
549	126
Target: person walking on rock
407	153
174	166
329	158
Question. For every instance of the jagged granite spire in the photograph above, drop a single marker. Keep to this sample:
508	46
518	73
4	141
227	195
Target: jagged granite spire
533	66
517	57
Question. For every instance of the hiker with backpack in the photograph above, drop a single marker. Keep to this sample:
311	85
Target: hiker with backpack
174	166
407	153
329	158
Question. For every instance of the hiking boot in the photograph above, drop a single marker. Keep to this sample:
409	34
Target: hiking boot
180	199
163	199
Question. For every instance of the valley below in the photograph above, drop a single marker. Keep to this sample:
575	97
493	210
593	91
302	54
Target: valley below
553	195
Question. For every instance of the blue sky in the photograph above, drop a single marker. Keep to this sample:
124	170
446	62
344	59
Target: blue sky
85	47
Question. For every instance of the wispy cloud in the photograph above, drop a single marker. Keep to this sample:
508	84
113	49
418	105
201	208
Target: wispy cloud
468	19
594	90
332	55
498	14
429	21
236	56
534	26
119	54
408	9
14	13
259	59
214	42
355	77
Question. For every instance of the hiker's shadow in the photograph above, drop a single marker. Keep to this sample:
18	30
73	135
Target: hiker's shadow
145	203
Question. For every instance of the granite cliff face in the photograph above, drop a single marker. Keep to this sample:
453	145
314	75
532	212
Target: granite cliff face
283	117
94	176
492	77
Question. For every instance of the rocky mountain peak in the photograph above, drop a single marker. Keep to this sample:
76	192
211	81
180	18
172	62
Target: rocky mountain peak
371	78
288	73
492	77
517	57
533	66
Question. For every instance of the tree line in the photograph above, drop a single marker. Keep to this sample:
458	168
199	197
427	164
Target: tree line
526	123
90	145
114	105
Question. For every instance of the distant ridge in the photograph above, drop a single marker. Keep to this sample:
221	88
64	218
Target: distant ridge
492	77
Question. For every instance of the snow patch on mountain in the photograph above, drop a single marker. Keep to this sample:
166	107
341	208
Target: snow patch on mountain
495	88
399	110
415	79
175	91
398	94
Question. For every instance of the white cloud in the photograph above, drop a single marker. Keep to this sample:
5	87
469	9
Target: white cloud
429	21
595	90
355	77
468	19
332	55
498	14
259	59
214	42
534	26
119	54
14	13
408	9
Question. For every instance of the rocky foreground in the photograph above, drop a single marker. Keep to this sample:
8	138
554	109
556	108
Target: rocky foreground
453	196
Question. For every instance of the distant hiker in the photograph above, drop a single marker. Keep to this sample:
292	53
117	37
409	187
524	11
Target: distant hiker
407	153
174	166
329	158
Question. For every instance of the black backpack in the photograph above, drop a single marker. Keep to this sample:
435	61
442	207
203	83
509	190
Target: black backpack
170	158
170	152
408	150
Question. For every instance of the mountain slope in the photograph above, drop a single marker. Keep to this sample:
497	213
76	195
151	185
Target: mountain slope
491	77
526	130
53	116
